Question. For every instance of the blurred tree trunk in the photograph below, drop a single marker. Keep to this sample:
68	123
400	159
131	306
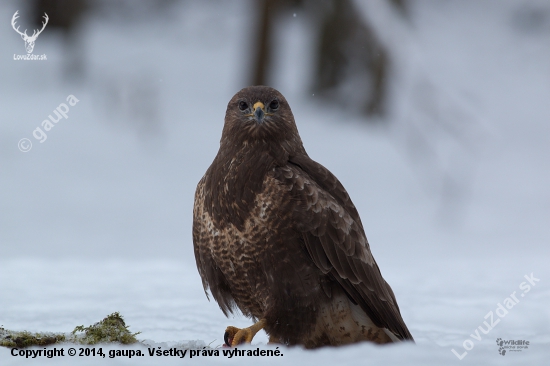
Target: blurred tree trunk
63	14
348	49
66	16
262	48
351	65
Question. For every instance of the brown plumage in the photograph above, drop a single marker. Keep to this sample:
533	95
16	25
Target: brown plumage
277	236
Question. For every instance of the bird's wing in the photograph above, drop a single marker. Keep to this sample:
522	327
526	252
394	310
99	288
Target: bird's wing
334	238
211	275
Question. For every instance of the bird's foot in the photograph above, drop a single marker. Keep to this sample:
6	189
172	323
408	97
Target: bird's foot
234	336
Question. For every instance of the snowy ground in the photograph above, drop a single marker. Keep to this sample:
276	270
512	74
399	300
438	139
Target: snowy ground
97	218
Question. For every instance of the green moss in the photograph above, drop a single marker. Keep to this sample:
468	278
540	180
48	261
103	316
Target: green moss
26	339
112	329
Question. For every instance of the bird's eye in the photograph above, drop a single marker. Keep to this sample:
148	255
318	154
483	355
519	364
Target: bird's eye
243	106
274	104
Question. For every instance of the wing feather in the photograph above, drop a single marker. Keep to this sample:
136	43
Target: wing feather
335	240
211	275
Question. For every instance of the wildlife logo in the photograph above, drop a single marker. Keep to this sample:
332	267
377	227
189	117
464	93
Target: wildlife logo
29	40
511	345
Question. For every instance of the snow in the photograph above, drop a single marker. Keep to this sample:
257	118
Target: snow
453	194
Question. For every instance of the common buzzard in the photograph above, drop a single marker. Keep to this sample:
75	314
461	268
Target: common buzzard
277	237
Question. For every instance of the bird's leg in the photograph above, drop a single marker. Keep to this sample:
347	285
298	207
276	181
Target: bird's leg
234	336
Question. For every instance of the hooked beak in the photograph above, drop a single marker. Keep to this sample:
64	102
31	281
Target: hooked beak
259	111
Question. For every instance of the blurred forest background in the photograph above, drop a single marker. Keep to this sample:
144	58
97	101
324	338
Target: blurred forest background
345	44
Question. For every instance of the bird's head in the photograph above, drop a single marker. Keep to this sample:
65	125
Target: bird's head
260	115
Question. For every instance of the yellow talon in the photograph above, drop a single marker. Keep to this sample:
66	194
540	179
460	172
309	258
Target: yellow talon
234	336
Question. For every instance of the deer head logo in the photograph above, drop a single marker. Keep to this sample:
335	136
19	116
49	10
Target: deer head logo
29	41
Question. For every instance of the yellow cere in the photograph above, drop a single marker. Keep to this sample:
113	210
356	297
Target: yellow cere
258	104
